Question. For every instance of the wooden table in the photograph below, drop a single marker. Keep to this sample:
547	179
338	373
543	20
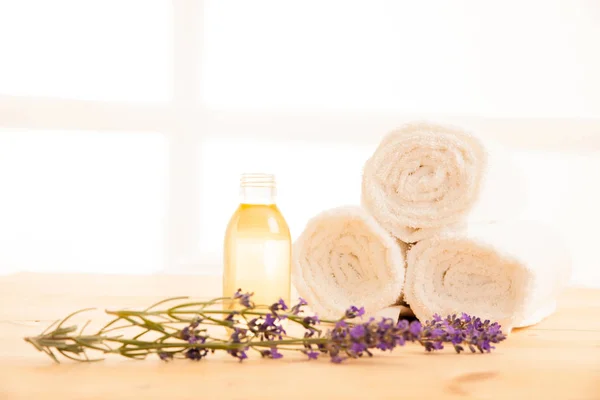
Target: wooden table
557	359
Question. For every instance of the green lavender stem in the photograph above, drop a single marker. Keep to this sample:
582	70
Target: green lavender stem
182	331
168	324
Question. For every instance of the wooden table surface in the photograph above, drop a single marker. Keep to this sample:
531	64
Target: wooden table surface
557	359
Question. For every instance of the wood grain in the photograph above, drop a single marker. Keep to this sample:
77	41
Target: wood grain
557	359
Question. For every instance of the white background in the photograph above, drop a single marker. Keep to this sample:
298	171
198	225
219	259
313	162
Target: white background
124	124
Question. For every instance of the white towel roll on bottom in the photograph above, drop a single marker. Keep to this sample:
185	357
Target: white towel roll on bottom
345	258
509	272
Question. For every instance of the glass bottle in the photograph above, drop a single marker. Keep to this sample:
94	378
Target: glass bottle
258	244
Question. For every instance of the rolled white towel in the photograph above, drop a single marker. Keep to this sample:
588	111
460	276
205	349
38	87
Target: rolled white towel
345	258
425	178
510	272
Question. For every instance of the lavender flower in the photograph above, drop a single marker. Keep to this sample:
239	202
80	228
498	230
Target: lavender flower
244	298
460	331
354	312
272	353
311	320
297	308
267	327
337	359
239	354
238	336
185	333
356	340
279	306
357	332
230	319
282	305
192	335
275	354
195	353
178	332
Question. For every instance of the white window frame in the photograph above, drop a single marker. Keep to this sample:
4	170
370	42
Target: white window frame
186	122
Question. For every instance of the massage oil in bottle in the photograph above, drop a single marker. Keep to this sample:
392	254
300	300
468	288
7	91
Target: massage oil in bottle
258	244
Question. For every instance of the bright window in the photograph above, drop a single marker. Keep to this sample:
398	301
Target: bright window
124	124
82	201
113	50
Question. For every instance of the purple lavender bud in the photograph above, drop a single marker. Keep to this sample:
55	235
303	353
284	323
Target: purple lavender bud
402	325
275	354
244	298
485	346
385	323
383	346
494	329
357	332
415	328
165	356
358	347
337	359
237	335
431	346
437	332
269	321
245	301
311	320
456	339
239	354
354	312
230	317
297	308
195	354
279	306
400	341
197	339
466	317
282	304
185	333
438	345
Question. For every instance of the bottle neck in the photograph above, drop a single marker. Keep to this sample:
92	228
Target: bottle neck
257	195
257	189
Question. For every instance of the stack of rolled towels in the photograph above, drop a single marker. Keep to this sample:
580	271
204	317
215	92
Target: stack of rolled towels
437	229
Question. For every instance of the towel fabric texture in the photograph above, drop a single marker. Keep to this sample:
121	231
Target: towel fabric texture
457	200
510	272
425	178
345	258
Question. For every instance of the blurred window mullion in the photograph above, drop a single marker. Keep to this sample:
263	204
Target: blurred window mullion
182	227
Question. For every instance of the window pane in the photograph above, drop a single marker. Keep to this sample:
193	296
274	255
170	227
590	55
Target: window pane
307	181
92	50
82	201
510	58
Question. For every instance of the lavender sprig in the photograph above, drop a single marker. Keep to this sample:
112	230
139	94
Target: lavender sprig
180	331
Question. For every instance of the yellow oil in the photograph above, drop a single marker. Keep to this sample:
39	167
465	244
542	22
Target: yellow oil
258	254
